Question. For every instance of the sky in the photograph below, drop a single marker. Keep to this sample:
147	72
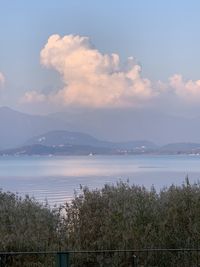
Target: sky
58	55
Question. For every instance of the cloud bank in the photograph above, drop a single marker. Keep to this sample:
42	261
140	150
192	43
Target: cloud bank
94	79
91	78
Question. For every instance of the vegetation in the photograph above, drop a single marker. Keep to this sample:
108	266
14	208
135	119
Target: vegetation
127	217
26	225
115	217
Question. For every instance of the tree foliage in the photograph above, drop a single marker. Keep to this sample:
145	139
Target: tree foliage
120	216
131	217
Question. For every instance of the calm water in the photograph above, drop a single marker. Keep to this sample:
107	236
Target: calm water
56	178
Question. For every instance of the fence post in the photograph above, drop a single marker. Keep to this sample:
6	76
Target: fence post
134	261
62	259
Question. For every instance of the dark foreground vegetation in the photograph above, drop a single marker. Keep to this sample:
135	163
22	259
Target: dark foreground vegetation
115	217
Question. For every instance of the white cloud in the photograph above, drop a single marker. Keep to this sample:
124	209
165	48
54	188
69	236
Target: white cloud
91	78
189	90
2	79
94	79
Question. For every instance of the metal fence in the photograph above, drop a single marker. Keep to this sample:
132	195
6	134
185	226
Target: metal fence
28	259
136	258
104	258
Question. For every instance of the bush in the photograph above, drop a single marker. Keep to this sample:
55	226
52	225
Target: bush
132	217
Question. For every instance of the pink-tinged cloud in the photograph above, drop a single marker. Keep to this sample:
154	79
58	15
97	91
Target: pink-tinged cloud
91	78
2	79
94	79
189	90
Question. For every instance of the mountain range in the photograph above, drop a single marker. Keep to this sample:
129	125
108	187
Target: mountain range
89	132
122	125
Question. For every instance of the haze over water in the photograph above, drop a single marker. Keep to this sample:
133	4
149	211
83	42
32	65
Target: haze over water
56	178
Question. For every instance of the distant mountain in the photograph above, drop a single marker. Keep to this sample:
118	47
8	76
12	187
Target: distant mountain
72	149
56	150
59	138
81	144
137	124
140	145
17	127
114	126
180	148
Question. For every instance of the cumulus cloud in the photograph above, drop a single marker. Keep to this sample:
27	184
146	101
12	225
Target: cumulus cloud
91	78
2	79
187	90
94	79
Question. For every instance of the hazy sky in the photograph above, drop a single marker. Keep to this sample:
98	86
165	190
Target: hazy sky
100	54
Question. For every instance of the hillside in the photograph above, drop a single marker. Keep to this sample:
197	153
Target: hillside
56	138
17	127
63	150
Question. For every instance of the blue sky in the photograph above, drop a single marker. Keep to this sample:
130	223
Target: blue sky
163	36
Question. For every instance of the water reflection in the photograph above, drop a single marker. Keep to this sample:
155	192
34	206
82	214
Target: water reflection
56	178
